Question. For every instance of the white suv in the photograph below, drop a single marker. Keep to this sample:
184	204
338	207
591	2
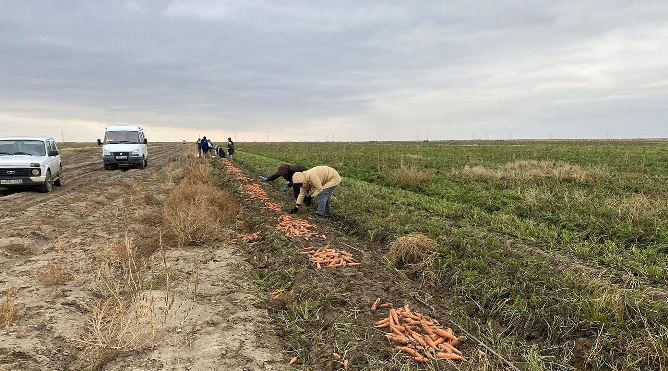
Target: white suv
30	162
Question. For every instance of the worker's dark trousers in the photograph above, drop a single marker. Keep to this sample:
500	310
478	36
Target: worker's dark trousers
325	201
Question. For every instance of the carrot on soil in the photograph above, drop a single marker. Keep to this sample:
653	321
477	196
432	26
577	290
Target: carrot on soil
419	336
329	258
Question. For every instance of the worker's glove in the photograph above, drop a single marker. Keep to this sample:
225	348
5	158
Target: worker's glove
308	200
263	178
286	188
294	210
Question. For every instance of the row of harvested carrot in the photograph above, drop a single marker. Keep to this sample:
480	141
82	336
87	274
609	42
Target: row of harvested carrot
255	192
329	258
235	171
419	336
295	227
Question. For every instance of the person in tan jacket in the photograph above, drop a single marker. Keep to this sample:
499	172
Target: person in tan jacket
318	181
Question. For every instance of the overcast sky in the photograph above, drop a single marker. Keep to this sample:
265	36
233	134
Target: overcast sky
342	70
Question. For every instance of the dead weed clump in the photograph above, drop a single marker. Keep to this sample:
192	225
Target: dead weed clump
411	248
408	176
195	212
8	309
535	170
124	318
199	173
116	326
54	273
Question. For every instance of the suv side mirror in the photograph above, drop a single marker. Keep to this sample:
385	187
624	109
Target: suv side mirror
145	141
99	142
53	153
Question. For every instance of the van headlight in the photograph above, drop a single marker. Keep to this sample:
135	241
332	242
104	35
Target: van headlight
106	152
35	172
135	154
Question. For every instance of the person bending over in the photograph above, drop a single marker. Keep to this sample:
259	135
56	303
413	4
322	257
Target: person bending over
318	181
286	171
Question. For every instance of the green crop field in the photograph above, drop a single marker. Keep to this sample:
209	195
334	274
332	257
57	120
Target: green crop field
554	252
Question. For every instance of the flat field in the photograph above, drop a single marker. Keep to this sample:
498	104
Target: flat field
555	254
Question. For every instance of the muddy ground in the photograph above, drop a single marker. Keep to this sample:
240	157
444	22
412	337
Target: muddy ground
195	308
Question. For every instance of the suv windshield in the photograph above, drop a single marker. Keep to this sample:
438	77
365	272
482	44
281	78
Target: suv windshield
121	137
22	147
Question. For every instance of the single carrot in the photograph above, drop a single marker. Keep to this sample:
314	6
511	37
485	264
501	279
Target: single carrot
444	334
451	348
427	339
345	364
294	360
397	330
410	351
393	313
450	356
336	355
400	339
420	359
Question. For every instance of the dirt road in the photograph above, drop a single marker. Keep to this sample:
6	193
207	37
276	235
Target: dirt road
192	308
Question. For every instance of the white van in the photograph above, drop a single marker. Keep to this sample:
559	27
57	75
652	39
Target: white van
124	147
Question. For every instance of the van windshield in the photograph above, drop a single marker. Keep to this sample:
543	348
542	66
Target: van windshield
121	137
22	148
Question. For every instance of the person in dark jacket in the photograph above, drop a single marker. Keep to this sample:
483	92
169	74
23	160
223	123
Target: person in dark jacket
286	171
230	148
221	152
205	145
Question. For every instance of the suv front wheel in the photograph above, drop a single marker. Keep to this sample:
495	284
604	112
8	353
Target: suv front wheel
60	181
48	183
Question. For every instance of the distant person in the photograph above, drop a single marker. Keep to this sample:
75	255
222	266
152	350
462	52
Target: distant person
221	151
199	147
204	146
230	148
318	181
286	171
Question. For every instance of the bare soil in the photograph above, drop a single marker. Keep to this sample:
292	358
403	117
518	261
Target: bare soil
204	310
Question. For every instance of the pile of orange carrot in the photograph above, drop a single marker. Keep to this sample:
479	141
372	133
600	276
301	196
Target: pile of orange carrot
329	258
256	192
273	206
419	336
294	227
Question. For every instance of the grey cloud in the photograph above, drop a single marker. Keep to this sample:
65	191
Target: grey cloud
298	69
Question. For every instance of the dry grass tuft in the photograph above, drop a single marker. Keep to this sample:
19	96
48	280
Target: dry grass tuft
195	209
535	170
410	177
194	213
411	248
116	326
199	173
53	273
8	309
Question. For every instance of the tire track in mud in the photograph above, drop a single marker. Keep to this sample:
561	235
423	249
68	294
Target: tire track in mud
81	217
221	329
85	174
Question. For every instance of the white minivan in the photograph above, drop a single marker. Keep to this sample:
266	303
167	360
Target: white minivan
124	147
